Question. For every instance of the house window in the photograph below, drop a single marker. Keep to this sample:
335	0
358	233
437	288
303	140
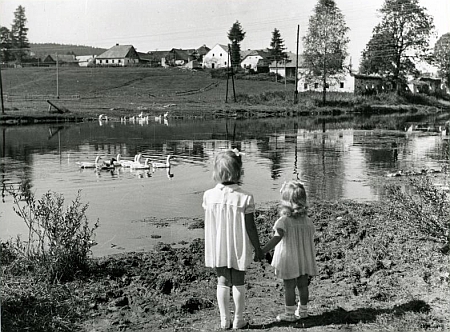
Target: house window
213	54
225	63
120	61
112	61
106	61
316	85
220	54
341	85
305	86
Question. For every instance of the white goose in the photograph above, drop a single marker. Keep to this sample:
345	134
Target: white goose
138	165
162	165
126	162
89	164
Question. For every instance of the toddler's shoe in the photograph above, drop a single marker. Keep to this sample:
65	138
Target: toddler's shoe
286	318
240	324
301	314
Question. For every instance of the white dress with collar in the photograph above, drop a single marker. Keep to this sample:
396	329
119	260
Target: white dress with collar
226	241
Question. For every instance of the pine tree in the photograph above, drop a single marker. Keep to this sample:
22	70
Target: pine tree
277	48
19	32
236	35
5	44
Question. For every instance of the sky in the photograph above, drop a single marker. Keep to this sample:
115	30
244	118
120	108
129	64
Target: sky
151	25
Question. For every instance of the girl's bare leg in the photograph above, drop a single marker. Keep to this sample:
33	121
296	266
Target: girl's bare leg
302	285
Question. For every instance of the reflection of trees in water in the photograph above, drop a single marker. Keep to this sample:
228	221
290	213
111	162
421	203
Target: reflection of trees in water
322	165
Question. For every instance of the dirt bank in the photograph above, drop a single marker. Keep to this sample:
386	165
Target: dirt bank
373	276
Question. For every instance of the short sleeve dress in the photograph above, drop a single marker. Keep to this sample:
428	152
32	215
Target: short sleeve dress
295	254
226	241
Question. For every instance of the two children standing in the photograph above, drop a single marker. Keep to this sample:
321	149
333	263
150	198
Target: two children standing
231	237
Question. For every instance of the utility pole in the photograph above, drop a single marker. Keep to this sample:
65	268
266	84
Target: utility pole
296	69
57	77
228	74
1	91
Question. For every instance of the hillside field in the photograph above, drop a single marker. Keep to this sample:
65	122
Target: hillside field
128	89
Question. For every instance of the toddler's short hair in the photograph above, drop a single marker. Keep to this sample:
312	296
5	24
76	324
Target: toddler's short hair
293	199
227	167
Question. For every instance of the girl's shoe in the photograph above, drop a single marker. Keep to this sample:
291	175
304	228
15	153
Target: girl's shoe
301	314
240	324
226	326
286	318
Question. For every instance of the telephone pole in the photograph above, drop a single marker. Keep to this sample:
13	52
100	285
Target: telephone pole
296	69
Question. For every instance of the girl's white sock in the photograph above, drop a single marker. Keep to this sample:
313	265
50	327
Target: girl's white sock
239	303
223	300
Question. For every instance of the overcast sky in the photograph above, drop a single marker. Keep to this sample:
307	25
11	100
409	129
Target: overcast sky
165	24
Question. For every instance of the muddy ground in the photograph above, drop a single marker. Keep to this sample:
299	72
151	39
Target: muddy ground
374	276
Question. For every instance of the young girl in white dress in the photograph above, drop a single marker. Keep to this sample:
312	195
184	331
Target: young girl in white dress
294	258
230	235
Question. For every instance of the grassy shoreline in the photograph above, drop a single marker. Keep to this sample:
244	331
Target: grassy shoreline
376	273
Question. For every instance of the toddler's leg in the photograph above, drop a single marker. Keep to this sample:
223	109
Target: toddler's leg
237	279
302	285
289	300
223	296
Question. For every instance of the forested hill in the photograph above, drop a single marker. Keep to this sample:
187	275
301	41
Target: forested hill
42	50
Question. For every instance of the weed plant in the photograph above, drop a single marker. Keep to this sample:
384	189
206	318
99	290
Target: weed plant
423	210
59	239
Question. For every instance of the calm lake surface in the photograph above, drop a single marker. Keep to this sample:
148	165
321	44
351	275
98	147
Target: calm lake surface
135	207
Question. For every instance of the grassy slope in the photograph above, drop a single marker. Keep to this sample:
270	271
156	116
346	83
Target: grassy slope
127	89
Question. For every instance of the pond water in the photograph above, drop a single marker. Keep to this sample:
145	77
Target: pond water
134	206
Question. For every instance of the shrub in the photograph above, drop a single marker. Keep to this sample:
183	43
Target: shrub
59	241
423	210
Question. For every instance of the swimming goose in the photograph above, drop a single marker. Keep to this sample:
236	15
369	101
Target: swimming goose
162	165
107	165
89	164
138	165
124	162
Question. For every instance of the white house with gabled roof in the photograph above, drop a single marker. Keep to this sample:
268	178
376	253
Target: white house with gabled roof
217	57
118	55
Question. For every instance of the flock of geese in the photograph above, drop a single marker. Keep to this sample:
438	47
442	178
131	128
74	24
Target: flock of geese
118	161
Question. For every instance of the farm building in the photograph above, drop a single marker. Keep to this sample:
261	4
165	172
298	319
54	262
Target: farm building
217	57
63	60
153	58
86	60
286	68
257	61
118	55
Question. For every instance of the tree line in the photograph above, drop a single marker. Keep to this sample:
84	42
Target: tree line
398	44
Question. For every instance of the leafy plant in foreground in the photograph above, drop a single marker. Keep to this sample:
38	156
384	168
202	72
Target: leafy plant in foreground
424	209
59	240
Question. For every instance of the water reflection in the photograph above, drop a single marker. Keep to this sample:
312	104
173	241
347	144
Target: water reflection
335	164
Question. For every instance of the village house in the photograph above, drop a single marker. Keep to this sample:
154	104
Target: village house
63	60
286	67
217	57
119	56
86	60
256	61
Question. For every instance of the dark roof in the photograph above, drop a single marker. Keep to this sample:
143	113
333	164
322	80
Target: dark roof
291	61
117	52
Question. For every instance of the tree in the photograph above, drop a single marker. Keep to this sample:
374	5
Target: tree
325	43
236	35
442	57
5	44
277	48
19	34
399	41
